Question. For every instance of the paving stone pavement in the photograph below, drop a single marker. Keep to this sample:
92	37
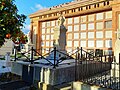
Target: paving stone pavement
14	85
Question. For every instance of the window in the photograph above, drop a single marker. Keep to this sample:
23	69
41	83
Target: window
91	43
43	24
90	35
76	19
99	25
48	24
99	34
76	43
69	36
69	28
76	35
43	37
47	44
51	43
108	14
108	24
47	37
83	35
99	16
48	30
91	17
43	31
83	43
108	34
69	43
91	26
43	43
83	26
52	23
99	43
69	20
108	43
83	19
76	27
51	37
52	30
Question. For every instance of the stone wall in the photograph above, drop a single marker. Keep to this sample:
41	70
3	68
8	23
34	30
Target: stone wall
62	74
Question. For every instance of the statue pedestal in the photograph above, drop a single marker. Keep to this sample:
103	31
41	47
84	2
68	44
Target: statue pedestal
30	45
60	43
59	40
115	66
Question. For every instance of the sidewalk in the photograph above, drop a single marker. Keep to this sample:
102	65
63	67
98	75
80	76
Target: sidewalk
15	85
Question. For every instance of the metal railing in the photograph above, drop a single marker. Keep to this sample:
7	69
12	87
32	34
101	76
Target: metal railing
89	68
29	56
78	54
96	70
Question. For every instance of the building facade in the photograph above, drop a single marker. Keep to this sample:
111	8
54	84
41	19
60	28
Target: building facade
91	24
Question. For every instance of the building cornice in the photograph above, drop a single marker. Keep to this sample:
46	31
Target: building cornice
73	5
78	13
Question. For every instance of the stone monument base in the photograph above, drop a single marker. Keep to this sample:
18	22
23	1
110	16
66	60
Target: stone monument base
43	72
59	55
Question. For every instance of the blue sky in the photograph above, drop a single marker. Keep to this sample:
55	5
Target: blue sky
28	7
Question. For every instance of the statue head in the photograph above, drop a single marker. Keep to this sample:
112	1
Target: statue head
61	20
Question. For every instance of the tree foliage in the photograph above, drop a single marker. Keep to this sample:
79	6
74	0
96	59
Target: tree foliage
10	21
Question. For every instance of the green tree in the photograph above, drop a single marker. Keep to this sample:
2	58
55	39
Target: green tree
10	21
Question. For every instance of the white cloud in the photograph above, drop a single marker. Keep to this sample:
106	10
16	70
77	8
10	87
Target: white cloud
38	7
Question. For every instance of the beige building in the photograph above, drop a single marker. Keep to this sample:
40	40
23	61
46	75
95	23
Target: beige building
91	24
7	47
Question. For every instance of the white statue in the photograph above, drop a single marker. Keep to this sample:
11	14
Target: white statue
29	38
60	34
61	20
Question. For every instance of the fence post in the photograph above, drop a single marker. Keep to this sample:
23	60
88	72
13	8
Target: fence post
119	71
78	54
31	55
81	53
15	54
77	58
54	57
101	69
76	67
106	68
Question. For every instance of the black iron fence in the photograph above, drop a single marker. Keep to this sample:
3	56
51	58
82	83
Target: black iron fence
89	67
55	60
78	54
97	70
